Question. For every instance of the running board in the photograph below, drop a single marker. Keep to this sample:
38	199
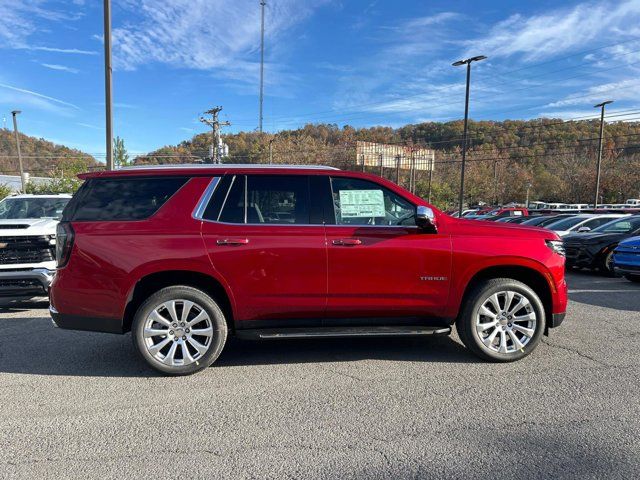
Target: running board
341	332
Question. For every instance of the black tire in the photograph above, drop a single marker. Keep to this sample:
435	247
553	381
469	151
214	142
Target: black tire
605	265
208	304
632	278
465	325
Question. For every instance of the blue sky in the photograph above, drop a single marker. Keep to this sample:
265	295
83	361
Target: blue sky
347	62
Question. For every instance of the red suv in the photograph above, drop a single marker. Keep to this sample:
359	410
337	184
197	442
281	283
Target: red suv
184	256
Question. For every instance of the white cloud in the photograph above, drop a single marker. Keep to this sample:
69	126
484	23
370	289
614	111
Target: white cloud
88	125
549	34
221	36
622	90
39	95
19	20
61	68
61	50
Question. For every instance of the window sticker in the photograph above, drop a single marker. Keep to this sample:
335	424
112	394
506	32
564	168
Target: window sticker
361	203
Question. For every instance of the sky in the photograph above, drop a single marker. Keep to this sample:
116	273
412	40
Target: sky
360	63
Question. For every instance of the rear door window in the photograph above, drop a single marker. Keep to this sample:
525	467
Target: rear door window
104	199
263	199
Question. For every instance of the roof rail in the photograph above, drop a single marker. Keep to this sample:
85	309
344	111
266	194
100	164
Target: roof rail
227	165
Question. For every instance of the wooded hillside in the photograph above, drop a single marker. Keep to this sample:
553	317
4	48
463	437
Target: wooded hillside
40	157
557	158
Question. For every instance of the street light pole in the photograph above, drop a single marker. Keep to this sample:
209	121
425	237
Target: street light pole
468	63
15	132
107	83
601	106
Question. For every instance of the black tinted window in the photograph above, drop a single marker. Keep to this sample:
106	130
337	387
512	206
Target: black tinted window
217	198
278	199
103	199
270	199
233	206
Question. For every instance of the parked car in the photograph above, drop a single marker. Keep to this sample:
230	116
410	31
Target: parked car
509	212
543	220
183	257
626	259
595	249
582	223
513	220
27	243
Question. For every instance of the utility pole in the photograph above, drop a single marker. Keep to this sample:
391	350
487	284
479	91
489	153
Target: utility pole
15	132
107	83
468	63
262	4
601	106
528	188
216	139
495	182
430	178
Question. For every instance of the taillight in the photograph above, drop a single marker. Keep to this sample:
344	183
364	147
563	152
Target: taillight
64	243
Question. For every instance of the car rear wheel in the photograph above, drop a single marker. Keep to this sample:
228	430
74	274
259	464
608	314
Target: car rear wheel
179	330
632	278
502	320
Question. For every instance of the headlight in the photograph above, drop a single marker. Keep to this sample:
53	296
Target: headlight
557	246
52	239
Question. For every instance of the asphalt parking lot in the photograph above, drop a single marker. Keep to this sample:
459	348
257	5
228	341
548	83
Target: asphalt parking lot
80	404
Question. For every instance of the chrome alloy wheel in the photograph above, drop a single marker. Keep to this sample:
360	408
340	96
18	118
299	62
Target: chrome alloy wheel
506	322
178	332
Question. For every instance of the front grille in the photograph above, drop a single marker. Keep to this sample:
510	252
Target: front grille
27	286
25	249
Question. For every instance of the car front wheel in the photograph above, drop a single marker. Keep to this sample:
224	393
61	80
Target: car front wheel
179	330
502	320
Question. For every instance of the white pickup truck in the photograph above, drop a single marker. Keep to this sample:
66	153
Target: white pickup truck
27	243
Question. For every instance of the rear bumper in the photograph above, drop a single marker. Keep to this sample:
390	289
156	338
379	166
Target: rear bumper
25	282
91	324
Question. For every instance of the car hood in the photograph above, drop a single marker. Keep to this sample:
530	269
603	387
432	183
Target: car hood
631	242
500	229
28	226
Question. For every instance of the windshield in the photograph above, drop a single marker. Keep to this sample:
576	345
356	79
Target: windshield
625	225
36	207
566	223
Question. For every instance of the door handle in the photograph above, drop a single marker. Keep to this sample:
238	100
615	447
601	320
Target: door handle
232	242
347	242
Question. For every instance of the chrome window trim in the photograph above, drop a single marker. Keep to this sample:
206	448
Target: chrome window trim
201	206
290	225
307	225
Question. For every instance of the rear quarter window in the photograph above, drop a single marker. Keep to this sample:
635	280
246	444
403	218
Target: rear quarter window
104	199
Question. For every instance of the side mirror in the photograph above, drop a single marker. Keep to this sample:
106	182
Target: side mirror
426	219
584	229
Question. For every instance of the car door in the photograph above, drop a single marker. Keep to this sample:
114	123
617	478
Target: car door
261	240
380	264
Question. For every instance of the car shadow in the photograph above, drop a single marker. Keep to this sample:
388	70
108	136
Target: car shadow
50	351
592	288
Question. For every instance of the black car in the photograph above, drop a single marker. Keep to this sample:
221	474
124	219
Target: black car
595	249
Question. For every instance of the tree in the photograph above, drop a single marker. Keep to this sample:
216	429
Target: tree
5	191
120	155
